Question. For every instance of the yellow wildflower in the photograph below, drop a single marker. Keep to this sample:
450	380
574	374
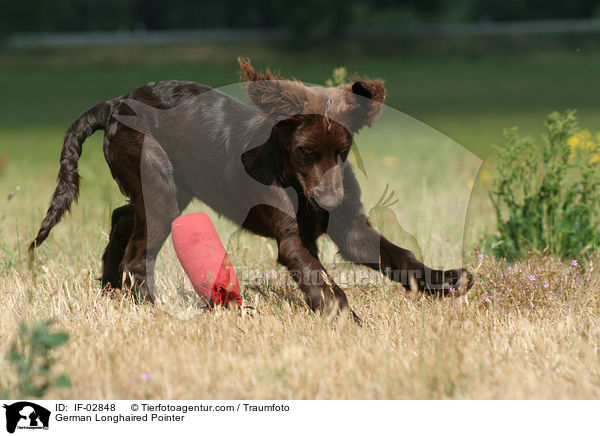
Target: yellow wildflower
573	141
595	158
485	176
572	151
390	161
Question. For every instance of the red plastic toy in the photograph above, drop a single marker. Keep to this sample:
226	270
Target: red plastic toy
204	259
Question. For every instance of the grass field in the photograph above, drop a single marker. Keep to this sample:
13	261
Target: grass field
527	330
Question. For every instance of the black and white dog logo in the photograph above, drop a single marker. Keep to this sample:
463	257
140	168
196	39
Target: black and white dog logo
26	415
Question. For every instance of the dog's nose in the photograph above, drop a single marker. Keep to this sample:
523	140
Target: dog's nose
329	193
329	201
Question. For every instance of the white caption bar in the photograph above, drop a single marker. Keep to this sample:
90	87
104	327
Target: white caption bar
263	418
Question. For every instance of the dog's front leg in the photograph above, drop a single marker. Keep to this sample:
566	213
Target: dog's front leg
360	243
402	266
321	292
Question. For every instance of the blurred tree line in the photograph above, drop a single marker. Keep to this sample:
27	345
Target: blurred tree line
302	18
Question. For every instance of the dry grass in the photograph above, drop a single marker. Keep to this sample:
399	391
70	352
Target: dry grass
503	341
541	343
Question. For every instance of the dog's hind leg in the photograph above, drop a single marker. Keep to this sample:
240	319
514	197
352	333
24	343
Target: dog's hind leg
156	203
121	229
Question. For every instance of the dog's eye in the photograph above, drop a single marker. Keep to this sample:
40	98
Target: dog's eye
306	151
344	153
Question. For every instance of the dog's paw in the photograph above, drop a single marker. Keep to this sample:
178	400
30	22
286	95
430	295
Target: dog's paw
452	282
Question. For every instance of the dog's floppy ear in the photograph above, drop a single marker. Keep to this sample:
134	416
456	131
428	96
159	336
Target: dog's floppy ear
365	101
274	96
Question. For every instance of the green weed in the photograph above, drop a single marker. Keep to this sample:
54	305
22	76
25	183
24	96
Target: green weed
31	354
547	198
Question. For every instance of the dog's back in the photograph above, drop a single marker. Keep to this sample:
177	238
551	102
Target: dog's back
202	131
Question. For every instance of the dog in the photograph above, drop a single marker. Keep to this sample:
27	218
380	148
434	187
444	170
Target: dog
277	167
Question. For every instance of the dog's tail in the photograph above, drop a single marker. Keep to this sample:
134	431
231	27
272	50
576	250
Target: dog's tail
67	188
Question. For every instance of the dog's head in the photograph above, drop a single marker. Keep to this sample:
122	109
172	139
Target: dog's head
315	127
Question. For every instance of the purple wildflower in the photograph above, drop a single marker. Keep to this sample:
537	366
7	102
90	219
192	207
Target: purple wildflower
546	283
510	268
146	376
480	255
574	262
452	290
531	277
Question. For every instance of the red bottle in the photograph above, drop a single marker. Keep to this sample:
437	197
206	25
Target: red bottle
204	259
